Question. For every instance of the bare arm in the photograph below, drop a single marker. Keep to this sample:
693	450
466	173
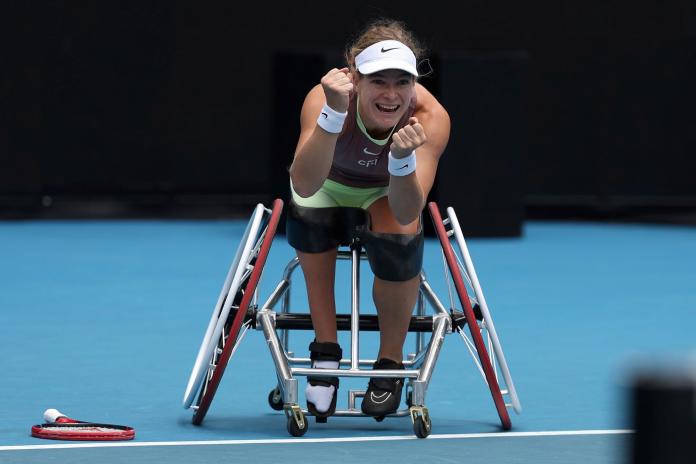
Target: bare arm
315	147
407	194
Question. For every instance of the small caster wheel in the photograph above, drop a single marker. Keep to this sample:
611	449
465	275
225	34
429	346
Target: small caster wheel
275	399
421	428
294	428
421	421
321	420
379	418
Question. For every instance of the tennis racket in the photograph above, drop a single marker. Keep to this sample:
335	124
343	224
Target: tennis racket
58	426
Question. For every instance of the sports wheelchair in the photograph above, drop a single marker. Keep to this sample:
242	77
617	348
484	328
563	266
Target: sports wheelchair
238	309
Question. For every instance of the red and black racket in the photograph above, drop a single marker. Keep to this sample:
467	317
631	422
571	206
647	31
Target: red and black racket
58	426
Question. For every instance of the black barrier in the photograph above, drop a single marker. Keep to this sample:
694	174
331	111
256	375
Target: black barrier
663	408
154	103
481	174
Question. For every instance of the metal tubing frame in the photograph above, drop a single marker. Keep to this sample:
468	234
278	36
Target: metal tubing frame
354	310
420	385
286	382
419	368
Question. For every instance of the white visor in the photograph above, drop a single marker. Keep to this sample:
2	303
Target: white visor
387	54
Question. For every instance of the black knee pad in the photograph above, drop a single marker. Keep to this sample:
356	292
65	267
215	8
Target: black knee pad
394	257
314	230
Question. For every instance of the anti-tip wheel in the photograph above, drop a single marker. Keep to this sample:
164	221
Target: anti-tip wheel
275	399
294	428
421	428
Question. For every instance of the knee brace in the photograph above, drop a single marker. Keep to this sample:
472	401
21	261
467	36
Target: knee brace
314	230
394	257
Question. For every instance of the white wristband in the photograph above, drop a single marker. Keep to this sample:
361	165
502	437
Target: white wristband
402	166
331	120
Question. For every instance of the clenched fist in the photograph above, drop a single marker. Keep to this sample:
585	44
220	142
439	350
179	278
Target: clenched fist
337	85
408	138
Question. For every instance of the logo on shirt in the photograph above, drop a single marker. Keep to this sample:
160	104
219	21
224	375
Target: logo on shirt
368	152
368	163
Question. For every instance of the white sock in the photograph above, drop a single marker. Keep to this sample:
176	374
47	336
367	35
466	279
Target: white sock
319	395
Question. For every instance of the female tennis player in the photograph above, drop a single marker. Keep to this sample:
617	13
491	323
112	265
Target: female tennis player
371	137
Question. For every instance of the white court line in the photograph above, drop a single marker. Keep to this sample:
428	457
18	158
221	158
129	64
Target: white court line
314	440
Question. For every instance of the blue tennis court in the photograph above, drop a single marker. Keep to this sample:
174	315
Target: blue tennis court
103	319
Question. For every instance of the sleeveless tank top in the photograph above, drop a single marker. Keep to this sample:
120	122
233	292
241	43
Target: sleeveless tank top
358	161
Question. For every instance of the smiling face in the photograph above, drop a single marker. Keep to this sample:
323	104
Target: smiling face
384	98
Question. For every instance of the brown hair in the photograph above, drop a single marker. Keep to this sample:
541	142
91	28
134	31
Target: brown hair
378	30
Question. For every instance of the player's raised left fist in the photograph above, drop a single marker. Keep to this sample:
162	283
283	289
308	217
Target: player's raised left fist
408	138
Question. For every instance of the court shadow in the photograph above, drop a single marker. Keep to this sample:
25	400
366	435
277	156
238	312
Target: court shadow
274	425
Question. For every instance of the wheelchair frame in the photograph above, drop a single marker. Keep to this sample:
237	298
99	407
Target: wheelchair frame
237	307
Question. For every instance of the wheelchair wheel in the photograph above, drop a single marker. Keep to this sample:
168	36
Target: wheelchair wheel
420	428
483	355
409	394
216	363
483	314
295	429
218	347
275	399
246	252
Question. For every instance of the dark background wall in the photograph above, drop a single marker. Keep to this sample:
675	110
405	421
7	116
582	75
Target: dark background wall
161	108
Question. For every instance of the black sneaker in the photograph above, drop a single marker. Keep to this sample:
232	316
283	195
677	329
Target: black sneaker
383	395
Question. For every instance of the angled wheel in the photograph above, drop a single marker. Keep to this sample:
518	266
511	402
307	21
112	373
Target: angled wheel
234	282
484	356
230	312
483	314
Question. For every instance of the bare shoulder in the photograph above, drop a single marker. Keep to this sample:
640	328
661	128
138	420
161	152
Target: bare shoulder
432	115
316	91
311	107
314	100
426	103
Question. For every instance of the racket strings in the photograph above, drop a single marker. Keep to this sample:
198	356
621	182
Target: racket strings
82	428
83	431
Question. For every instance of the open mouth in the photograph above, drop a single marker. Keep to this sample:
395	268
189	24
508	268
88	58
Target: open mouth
387	108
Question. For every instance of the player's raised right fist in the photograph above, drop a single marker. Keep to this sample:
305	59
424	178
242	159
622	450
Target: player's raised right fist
337	85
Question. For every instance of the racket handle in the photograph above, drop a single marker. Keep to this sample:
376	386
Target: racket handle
54	415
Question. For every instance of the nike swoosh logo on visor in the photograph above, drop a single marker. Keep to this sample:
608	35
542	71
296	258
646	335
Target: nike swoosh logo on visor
384	50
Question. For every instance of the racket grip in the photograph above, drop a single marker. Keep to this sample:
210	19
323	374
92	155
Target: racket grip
53	415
